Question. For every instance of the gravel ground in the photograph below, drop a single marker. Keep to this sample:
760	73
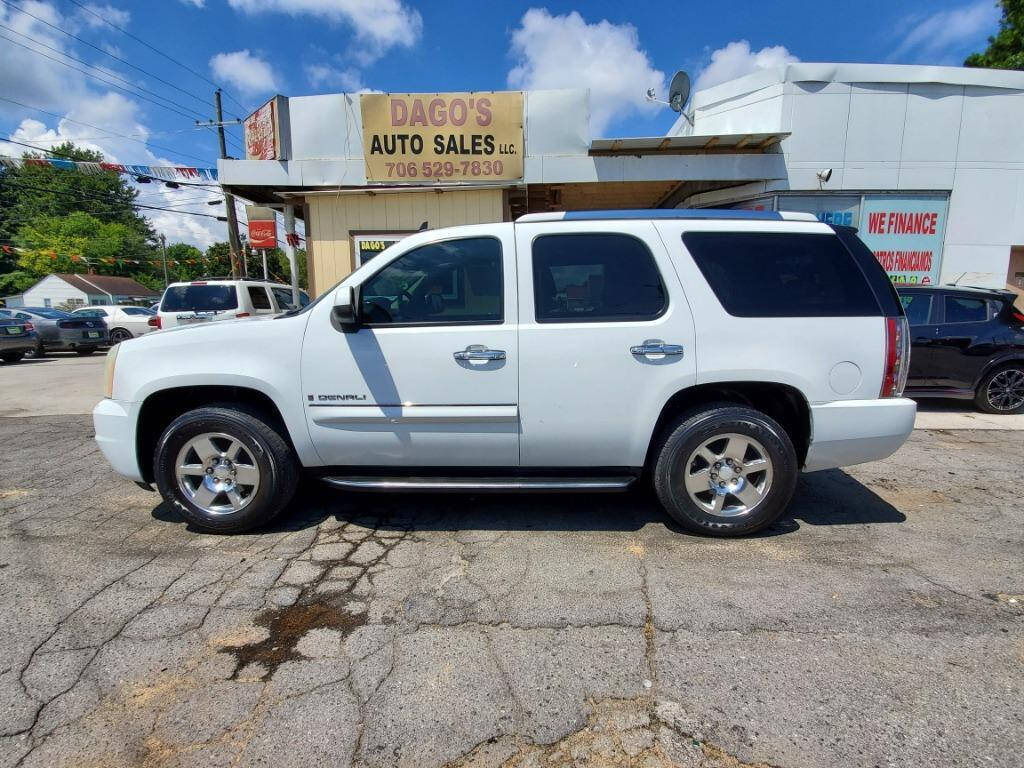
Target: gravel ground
880	623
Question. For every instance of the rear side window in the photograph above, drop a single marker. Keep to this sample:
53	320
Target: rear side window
199	298
963	310
917	307
259	297
136	311
595	277
781	274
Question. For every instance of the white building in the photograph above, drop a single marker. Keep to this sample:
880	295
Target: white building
945	139
83	290
927	162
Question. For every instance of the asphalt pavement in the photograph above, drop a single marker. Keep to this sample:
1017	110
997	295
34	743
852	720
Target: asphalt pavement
878	623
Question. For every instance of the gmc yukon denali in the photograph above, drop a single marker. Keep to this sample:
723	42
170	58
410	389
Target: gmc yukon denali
715	354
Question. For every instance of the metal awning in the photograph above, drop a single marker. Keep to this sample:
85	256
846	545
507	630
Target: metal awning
719	144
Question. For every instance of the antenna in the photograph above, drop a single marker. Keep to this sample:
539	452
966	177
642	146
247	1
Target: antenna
678	94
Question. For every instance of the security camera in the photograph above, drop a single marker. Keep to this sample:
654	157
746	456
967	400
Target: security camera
825	175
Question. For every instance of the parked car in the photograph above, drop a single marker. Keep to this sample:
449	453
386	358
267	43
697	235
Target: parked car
57	330
966	343
123	321
209	299
714	352
16	338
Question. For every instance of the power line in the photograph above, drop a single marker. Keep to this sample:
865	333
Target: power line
104	52
132	173
97	77
86	196
152	48
98	69
130	137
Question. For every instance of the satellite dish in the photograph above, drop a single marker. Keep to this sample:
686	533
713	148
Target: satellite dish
679	91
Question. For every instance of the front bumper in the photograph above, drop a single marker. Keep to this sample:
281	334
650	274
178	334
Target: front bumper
849	432
115	422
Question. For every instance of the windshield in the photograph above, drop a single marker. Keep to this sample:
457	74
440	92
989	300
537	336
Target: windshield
49	314
199	298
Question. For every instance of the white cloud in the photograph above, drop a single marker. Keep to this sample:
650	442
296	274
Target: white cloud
567	52
249	73
329	78
114	15
940	38
378	24
737	59
30	77
196	3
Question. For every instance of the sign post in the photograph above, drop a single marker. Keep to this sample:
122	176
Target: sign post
426	138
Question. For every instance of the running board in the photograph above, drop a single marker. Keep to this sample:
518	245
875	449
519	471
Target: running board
482	484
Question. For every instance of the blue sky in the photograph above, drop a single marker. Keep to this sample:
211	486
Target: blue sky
254	48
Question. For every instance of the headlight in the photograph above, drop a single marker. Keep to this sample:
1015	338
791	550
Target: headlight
109	372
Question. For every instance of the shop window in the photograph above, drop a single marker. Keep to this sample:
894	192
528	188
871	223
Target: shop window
595	277
456	281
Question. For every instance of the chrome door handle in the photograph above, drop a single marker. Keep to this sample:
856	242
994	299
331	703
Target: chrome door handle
480	352
656	347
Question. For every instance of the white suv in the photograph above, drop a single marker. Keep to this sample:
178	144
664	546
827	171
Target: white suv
716	353
214	298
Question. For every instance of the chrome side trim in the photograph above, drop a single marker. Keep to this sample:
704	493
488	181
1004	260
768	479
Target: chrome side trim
482	484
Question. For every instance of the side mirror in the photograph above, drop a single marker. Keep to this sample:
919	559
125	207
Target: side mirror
345	313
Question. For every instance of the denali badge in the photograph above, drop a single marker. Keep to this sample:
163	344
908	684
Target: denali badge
335	398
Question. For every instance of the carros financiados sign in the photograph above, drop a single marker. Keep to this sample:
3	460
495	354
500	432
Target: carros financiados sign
425	138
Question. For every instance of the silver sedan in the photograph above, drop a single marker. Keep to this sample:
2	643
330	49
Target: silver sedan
58	330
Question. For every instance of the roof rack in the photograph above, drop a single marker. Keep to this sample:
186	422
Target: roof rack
668	213
229	277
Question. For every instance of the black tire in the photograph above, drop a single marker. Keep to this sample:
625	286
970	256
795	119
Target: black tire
265	443
118	335
37	351
12	357
692	430
990	397
85	352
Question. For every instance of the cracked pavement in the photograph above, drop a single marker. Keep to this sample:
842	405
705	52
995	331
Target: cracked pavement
879	623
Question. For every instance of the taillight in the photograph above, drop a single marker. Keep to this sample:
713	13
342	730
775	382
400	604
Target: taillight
154	321
1017	316
897	357
242	314
29	327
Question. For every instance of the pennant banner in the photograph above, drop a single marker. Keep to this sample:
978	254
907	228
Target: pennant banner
161	172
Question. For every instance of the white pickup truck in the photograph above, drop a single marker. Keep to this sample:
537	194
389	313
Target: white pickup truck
714	353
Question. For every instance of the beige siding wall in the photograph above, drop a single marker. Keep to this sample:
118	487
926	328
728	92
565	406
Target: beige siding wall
332	220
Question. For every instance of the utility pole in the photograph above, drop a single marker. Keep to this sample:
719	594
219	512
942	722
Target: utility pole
229	199
163	248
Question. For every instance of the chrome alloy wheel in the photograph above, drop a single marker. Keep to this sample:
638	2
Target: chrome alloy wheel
728	475
217	473
1006	390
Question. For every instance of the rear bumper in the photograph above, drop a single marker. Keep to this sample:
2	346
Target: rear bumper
17	343
114	422
855	431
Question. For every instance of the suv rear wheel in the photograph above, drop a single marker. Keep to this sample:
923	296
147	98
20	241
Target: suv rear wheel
225	469
1002	391
725	470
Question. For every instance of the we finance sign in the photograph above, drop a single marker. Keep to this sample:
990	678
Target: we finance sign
905	234
427	138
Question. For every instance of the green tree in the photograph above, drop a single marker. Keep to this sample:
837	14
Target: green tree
184	262
218	260
1006	48
79	242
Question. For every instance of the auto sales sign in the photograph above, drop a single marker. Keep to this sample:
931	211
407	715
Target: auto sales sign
430	138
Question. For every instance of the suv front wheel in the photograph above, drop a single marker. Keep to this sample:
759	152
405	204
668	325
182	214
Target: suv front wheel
725	470
224	469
